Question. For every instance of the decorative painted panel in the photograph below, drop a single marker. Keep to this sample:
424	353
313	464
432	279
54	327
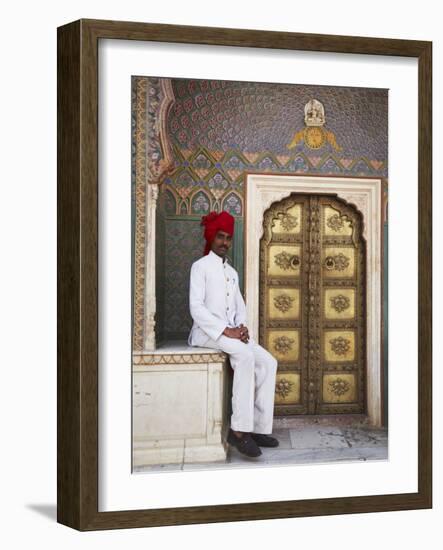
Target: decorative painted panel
183	242
233	204
200	203
169	203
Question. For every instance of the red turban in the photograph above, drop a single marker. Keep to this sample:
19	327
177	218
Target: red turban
214	222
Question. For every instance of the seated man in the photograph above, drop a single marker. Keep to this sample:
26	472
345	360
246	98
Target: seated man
219	313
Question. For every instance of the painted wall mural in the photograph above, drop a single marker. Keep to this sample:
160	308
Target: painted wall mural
204	135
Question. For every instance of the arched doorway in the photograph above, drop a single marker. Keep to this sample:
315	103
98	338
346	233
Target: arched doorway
312	300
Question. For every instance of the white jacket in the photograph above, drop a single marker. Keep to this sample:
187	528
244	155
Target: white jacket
215	300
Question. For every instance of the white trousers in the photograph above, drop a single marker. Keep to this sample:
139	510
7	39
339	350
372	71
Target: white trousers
253	387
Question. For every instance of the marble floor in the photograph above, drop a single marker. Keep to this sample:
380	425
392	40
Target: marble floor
303	442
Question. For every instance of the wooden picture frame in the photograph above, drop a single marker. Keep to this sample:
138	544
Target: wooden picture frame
77	455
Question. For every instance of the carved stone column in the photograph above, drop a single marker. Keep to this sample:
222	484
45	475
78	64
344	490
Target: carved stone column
150	298
153	162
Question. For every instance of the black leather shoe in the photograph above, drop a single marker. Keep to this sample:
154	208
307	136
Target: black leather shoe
264	440
244	444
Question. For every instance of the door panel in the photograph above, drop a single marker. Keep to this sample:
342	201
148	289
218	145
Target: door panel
284	303
334	224
288	222
338	346
338	262
339	303
312	304
287	388
339	388
285	345
284	261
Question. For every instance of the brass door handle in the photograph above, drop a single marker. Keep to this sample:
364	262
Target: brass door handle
329	263
294	261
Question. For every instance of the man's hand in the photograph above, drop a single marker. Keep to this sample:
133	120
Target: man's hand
241	333
244	334
232	332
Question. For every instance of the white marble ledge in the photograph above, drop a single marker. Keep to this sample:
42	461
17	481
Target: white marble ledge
177	346
178	352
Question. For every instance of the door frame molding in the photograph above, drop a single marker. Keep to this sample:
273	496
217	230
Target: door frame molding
365	194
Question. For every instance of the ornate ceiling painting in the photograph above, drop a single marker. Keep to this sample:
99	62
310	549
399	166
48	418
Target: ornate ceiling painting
218	130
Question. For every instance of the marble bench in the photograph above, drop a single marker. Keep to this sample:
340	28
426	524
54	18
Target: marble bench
180	405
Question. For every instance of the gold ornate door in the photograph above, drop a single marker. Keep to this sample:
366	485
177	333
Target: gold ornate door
312	304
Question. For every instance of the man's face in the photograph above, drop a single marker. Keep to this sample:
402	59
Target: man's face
221	243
